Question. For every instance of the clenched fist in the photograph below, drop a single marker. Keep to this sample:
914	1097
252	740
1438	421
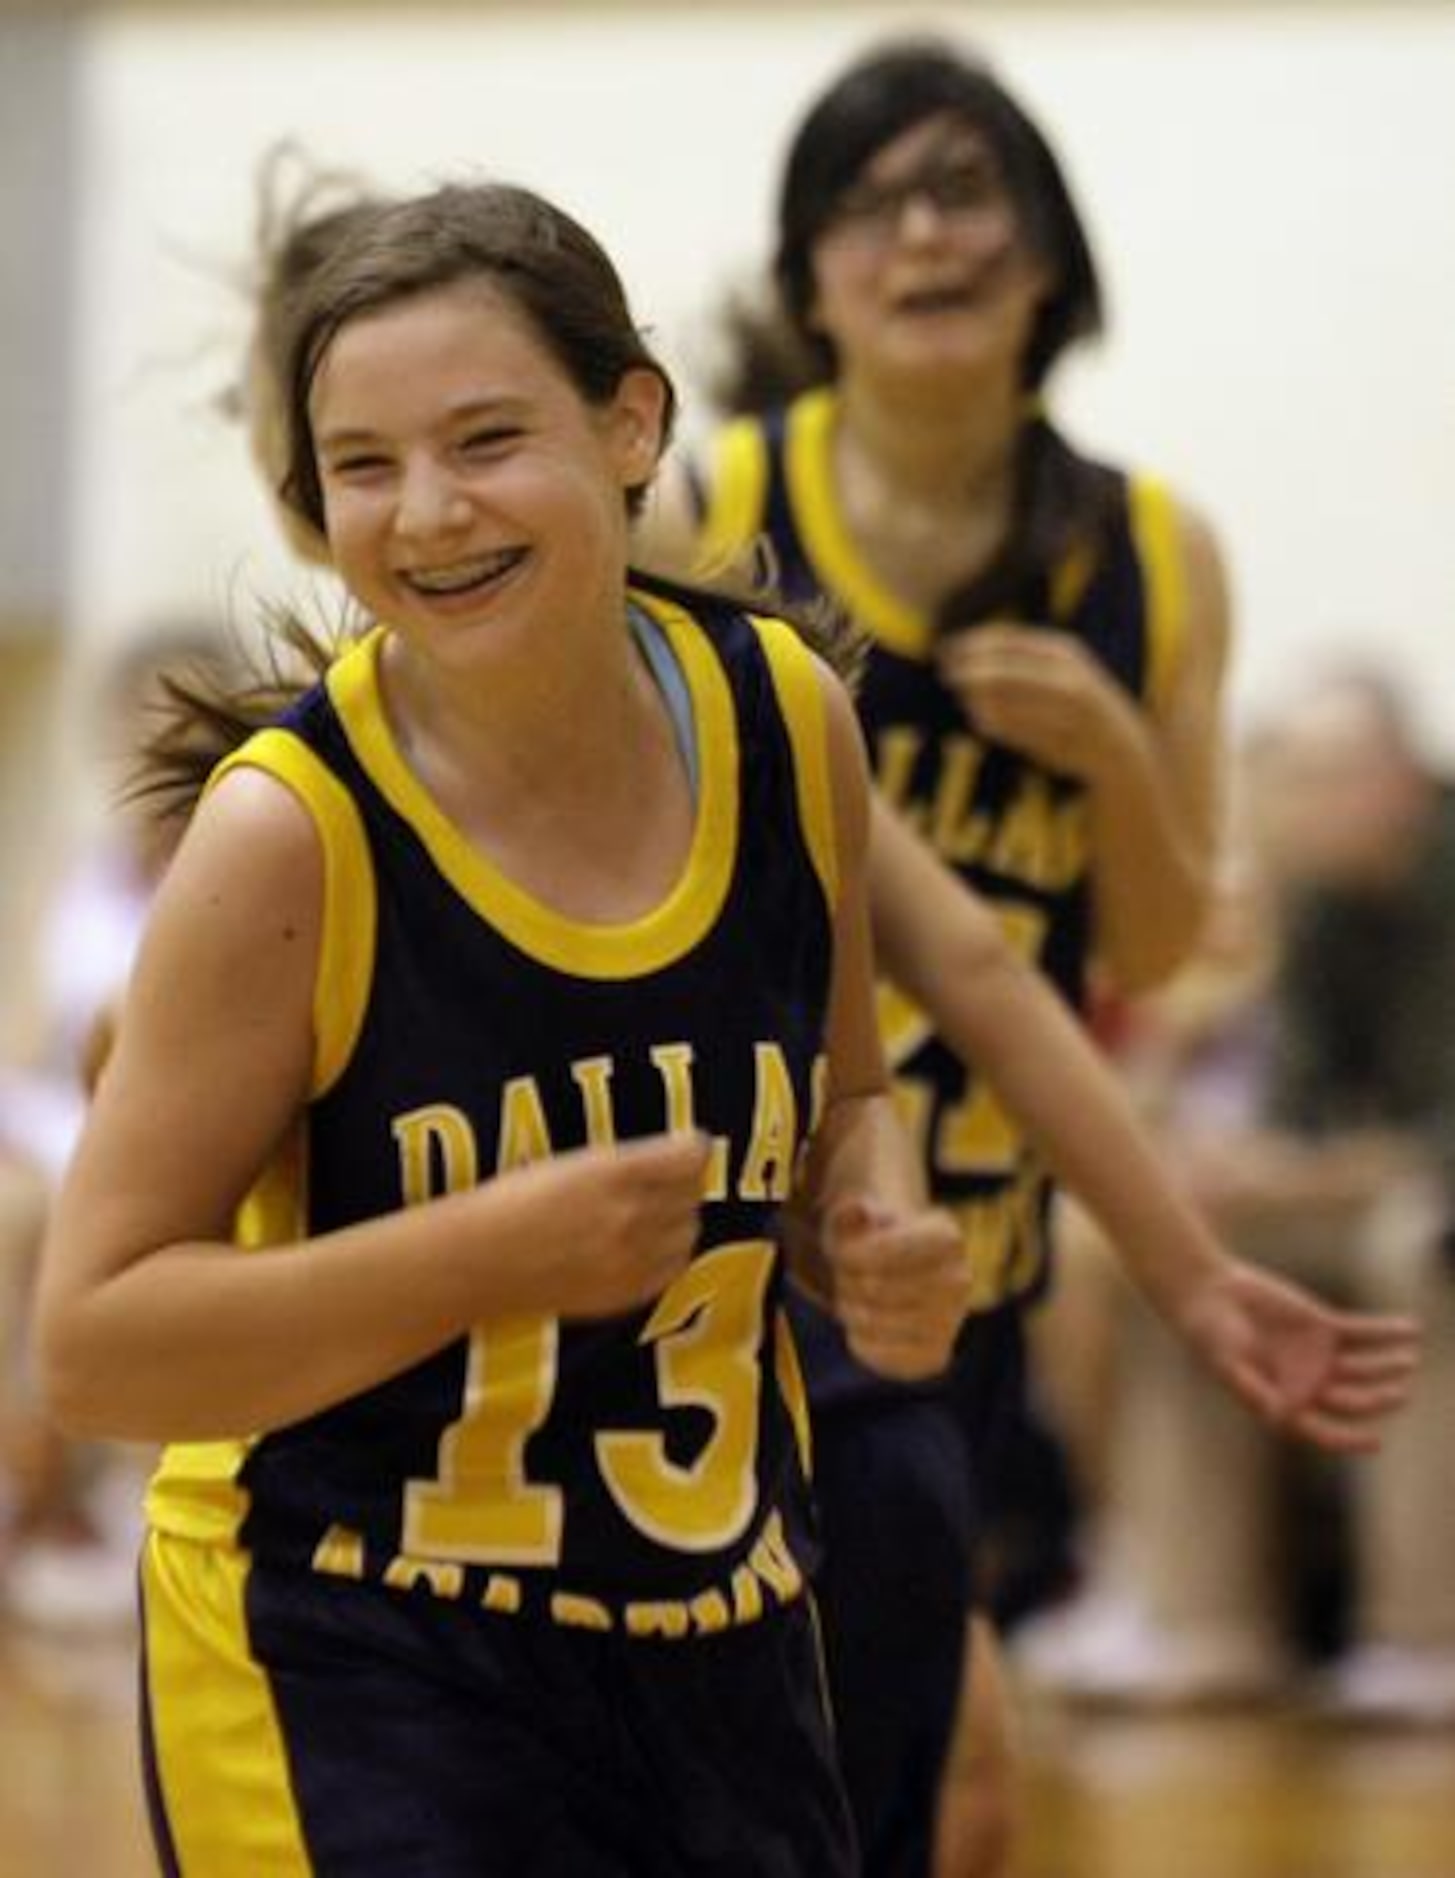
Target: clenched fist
609	1228
901	1286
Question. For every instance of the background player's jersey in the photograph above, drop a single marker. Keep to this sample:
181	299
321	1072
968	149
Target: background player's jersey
1013	829
642	1472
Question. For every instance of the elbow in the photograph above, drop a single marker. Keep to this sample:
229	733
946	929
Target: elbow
70	1375
1148	954
1145	967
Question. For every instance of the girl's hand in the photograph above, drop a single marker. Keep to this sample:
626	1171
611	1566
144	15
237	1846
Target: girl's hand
609	1228
901	1285
1330	1377
1041	692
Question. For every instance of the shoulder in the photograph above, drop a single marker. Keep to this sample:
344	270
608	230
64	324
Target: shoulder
230	954
1185	582
253	850
1208	607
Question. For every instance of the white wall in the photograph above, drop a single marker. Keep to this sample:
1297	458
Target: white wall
1270	189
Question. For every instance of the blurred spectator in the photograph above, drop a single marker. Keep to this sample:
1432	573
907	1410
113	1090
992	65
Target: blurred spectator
1306	1090
69	1513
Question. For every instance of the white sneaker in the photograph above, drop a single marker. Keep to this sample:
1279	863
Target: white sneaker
70	1587
1390	1683
1111	1652
1056	1649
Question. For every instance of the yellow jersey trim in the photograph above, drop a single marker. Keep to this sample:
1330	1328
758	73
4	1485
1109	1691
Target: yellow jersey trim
1157	535
841	569
799	689
794	1390
606	951
350	915
736	491
211	1710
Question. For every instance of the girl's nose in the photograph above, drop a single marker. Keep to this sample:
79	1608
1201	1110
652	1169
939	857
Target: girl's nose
921	218
431	502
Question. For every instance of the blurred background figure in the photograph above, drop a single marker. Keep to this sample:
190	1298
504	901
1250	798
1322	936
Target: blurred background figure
69	1513
1302	1072
1046	638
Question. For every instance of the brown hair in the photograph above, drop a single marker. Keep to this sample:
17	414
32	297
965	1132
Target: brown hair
772	351
544	262
320	268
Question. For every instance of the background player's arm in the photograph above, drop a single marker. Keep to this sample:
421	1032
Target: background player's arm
151	1324
671	534
1329	1376
1152	772
896	1268
1156	805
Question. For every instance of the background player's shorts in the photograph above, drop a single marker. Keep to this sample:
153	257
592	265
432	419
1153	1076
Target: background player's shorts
904	1483
298	1724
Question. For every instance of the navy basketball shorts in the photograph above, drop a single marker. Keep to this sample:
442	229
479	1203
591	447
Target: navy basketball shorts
902	1484
294	1723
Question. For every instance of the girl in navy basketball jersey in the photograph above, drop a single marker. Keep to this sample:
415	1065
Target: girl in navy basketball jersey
1046	643
503	993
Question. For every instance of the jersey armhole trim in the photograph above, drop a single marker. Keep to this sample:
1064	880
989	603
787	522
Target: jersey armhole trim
799	689
1156	532
350	913
737	490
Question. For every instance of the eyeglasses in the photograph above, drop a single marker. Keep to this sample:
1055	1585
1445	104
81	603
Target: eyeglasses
957	188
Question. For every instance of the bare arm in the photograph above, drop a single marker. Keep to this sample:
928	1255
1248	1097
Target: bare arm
897	1271
151	1324
944	946
1156	793
1326	1375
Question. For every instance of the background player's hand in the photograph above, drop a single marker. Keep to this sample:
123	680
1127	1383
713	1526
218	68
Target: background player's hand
1042	693
901	1286
1330	1377
610	1228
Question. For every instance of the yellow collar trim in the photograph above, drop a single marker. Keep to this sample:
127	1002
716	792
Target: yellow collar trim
841	569
584	950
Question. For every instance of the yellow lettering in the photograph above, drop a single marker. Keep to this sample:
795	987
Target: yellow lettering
665	1619
767	1172
955	830
444	1580
437	1152
896	752
710	1613
593	1078
480	1505
673	1063
1039	840
578	1613
705	1333
774	1563
747	1596
340	1553
501	1593
524	1136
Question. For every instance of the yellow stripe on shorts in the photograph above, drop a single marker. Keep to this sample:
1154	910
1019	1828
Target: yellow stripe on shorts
222	1768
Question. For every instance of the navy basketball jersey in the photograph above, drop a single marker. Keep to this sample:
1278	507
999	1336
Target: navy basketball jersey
642	1473
1013	829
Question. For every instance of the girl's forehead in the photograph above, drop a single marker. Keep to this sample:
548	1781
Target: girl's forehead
944	133
470	315
439	346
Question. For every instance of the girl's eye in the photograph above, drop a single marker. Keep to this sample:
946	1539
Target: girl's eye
365	463
485	442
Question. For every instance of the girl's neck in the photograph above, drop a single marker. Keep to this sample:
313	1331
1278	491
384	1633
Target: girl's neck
952	452
552	725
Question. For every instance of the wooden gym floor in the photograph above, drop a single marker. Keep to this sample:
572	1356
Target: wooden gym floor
1212	1797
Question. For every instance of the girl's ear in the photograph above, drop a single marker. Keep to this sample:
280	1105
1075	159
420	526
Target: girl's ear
637	424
